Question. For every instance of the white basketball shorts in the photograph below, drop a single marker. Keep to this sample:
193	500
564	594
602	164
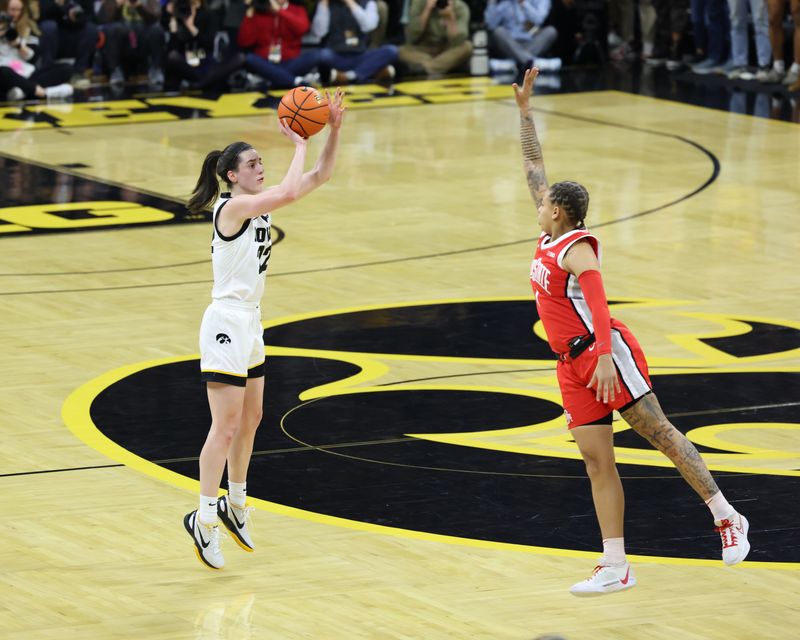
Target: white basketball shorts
231	343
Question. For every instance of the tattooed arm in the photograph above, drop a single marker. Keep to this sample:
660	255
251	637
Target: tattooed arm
532	159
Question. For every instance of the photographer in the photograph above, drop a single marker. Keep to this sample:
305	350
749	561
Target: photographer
271	33
19	44
69	31
344	27
134	37
437	37
190	47
516	31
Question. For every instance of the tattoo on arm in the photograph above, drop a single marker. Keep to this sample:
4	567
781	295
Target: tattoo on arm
532	158
648	420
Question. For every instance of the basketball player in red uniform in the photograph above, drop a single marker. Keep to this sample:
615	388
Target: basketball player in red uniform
602	367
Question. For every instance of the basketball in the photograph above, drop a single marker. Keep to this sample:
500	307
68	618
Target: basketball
305	110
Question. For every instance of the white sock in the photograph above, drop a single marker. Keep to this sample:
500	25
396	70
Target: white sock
208	510
614	550
720	507
779	66
795	68
237	493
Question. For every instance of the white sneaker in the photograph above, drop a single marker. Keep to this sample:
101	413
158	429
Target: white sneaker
791	77
15	94
740	73
502	65
59	91
769	76
733	531
311	79
386	74
155	77
235	520
547	64
605	579
117	76
206	540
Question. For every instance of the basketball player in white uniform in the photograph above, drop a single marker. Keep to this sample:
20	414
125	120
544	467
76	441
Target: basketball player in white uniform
231	335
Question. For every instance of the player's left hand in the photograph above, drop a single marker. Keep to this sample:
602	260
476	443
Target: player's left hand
604	379
523	94
335	108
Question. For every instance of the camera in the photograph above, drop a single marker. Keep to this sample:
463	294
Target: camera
182	9
74	12
6	25
442	4
261	6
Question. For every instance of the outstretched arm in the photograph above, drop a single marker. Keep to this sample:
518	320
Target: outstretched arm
532	159
253	205
323	169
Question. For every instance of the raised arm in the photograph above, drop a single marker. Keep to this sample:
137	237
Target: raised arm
532	160
323	169
287	191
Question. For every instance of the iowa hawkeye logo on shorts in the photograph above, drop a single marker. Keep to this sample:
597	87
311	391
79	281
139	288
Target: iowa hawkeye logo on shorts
223	338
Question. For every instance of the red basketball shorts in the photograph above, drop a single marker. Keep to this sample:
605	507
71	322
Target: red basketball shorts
580	404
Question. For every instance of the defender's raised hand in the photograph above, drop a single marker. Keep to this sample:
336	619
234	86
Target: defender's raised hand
523	94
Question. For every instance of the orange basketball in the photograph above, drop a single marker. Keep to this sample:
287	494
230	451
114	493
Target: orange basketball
305	110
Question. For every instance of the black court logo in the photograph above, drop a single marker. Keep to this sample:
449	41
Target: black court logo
223	338
471	457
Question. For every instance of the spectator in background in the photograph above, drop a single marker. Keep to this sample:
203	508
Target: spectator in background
133	34
344	28
69	31
516	31
711	31
739	39
777	10
190	48
19	45
437	37
620	30
271	34
671	20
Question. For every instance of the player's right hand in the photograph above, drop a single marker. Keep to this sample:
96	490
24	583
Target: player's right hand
290	133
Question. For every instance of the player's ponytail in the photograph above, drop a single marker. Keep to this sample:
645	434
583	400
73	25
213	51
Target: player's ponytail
207	188
215	168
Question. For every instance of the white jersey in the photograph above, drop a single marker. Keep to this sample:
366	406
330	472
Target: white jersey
240	261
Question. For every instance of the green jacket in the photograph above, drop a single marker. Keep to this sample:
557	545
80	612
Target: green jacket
435	33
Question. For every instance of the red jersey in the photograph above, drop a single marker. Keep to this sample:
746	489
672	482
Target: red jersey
559	299
286	29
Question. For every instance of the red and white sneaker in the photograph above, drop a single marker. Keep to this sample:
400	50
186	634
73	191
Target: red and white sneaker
733	531
605	579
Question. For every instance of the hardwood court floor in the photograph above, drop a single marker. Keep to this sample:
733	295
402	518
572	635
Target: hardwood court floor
696	212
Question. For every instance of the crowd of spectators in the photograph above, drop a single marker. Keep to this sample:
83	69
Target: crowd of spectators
48	48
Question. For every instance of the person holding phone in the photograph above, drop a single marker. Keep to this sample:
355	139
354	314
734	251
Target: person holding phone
517	32
437	37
